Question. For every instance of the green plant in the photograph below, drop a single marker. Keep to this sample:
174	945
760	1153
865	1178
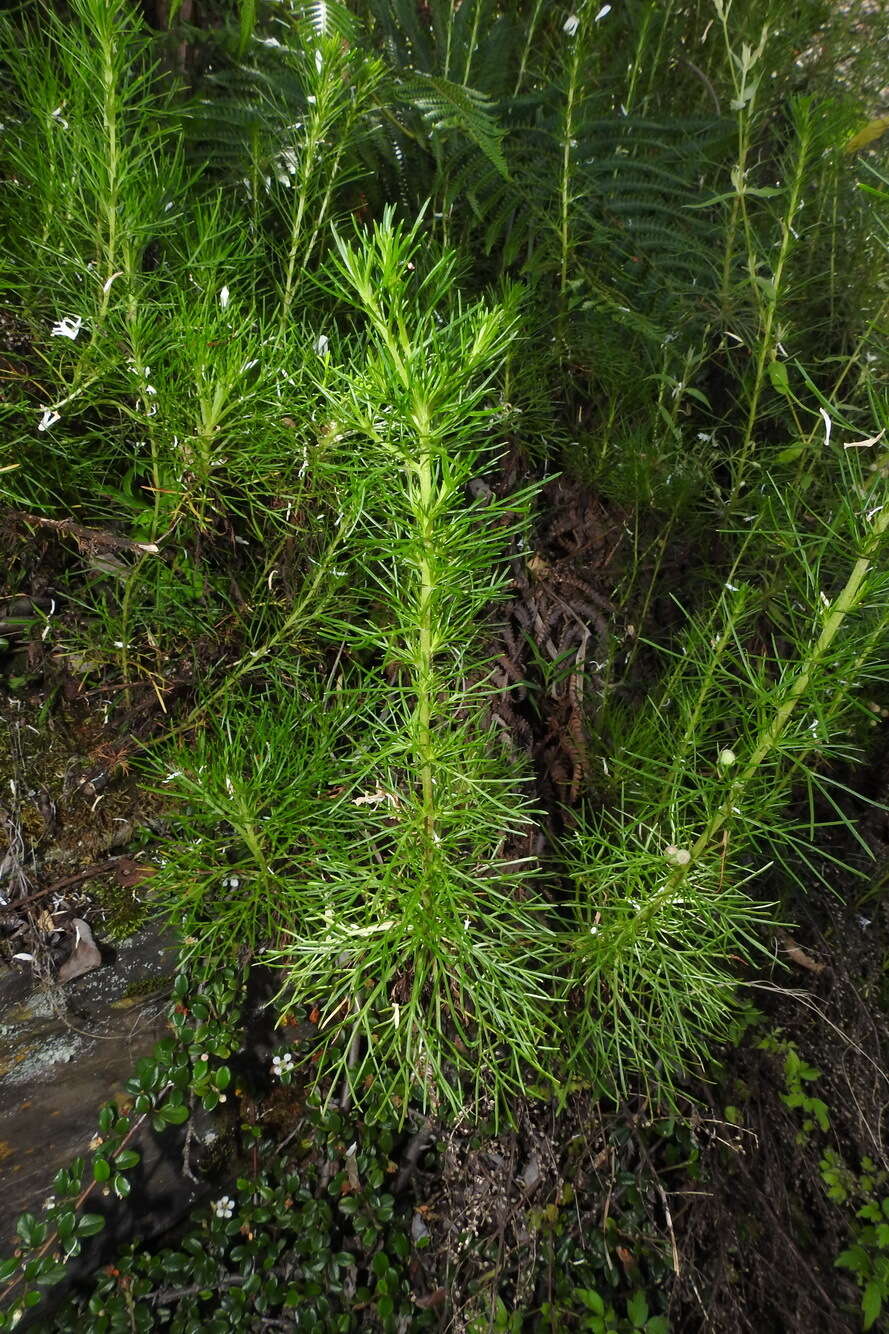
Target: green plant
312	1239
700	784
797	1074
867	1258
427	947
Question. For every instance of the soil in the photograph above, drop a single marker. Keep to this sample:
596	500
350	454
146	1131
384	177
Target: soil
719	1204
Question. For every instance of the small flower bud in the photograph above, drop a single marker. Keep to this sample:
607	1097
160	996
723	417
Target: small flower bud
726	758
677	856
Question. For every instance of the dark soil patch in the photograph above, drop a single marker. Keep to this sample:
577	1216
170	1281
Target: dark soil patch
763	1238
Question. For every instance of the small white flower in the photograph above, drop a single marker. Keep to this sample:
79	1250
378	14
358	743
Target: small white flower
224	1207
49	1202
319	61
726	758
282	1065
288	161
57	115
223	297
603	12
67	328
677	856
571	24
48	419
321	344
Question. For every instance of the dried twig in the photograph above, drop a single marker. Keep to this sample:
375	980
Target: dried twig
90	540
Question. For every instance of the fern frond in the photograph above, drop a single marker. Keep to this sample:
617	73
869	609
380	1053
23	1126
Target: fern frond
445	105
330	18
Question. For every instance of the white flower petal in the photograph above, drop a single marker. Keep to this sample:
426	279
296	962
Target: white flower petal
571	24
828	425
223	297
69	327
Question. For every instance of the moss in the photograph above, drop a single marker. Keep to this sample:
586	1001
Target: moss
147	985
125	911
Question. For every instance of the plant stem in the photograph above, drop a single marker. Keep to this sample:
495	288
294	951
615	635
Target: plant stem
771	297
110	202
526	48
425	640
565	186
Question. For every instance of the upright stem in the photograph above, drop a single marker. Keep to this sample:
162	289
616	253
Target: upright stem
526	49
425	640
470	50
565	186
110	202
770	301
296	227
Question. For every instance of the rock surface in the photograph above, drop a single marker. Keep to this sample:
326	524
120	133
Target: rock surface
64	1051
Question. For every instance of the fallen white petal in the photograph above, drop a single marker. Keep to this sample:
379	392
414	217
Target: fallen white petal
866	444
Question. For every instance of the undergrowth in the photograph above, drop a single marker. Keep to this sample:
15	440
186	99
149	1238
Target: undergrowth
316	295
